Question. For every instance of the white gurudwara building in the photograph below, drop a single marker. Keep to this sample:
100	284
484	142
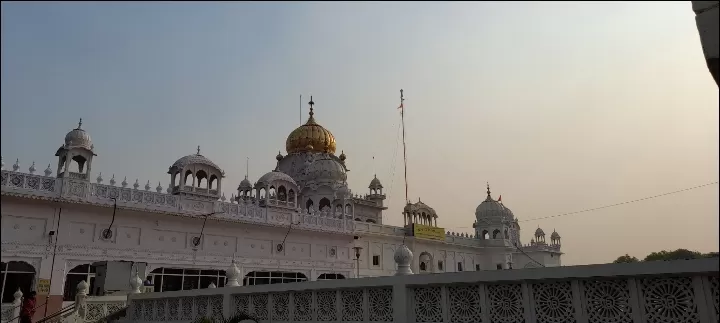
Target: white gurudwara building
297	222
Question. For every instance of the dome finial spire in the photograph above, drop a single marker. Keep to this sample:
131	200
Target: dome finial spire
311	103
198	150
80	124
488	189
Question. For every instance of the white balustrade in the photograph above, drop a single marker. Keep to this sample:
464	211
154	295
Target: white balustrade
647	292
79	190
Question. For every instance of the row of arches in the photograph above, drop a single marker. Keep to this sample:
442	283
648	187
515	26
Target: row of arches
281	194
199	179
19	274
326	206
496	234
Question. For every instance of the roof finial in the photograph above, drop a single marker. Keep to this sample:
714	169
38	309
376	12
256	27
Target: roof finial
198	150
311	103
80	124
488	189
247	170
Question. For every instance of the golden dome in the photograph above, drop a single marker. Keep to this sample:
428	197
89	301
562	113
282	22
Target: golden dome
310	137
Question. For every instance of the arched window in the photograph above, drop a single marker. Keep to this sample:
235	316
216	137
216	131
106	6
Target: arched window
291	196
485	235
423	266
262	193
330	277
308	205
74	277
201	180
282	194
272	277
77	166
172	279
188	178
348	209
213	182
496	233
507	236
324	203
16	274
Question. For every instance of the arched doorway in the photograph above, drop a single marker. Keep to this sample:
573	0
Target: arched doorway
16	274
74	277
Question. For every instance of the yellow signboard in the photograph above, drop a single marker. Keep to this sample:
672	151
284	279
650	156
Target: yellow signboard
43	287
428	232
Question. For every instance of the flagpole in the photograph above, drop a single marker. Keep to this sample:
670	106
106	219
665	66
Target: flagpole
402	118
301	109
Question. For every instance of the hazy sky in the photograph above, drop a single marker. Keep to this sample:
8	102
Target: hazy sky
560	106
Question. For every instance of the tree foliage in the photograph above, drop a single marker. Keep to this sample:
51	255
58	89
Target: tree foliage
665	255
626	259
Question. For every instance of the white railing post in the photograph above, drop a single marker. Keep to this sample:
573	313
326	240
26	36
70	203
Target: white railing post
80	299
17	302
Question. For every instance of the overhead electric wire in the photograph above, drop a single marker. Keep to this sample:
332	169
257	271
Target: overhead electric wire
611	205
621	203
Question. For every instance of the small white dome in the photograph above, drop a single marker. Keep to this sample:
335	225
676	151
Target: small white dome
274	176
492	208
78	138
194	159
539	232
554	235
245	185
375	183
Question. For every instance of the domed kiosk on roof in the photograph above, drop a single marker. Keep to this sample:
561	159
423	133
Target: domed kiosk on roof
78	148
196	175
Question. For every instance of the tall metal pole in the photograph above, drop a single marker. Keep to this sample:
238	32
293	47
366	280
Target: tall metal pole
301	109
402	118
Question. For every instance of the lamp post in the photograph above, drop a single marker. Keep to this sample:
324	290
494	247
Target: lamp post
357	259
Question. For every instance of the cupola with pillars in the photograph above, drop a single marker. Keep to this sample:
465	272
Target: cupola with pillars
419	213
75	155
197	176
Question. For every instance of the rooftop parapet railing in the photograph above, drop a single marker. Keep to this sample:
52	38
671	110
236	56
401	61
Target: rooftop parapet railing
677	291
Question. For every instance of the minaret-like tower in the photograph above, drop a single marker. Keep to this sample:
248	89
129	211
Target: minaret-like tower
376	192
78	148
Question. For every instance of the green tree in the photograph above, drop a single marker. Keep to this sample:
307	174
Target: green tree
678	254
625	259
664	255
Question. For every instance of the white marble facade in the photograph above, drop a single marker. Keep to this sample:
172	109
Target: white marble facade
307	192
